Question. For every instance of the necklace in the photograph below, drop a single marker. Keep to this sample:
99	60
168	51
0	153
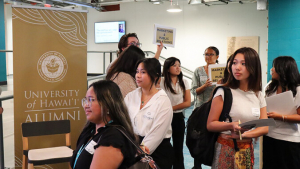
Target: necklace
245	90
143	102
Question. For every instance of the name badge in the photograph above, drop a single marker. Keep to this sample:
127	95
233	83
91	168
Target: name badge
256	112
90	147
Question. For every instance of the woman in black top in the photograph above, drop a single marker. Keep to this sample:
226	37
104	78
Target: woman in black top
101	145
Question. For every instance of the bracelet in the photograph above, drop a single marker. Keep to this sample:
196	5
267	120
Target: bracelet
282	118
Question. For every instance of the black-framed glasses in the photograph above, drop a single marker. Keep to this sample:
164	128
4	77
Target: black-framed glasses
135	44
208	54
87	101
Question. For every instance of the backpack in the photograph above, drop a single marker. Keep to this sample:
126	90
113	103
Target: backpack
200	141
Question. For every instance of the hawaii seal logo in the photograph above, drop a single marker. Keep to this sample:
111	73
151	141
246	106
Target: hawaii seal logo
52	66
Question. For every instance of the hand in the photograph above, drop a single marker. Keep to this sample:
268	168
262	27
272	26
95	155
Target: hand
208	83
1	110
160	47
145	149
236	128
274	115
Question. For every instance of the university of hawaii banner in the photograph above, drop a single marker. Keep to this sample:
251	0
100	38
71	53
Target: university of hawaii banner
50	74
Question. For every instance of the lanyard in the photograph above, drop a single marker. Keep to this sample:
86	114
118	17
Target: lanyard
79	152
82	148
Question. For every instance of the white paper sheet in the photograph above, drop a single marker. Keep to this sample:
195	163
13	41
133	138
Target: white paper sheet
165	34
282	103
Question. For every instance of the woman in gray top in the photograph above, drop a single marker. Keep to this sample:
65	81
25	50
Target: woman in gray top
202	86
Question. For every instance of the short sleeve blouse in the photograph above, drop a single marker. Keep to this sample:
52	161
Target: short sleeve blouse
106	136
179	96
245	105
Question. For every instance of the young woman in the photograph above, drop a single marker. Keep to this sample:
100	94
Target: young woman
151	112
201	85
281	146
101	145
178	91
122	71
248	104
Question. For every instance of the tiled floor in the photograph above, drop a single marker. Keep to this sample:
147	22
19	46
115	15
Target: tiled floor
8	132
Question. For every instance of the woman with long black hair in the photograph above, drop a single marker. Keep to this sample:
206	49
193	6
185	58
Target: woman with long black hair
178	91
151	112
100	144
281	146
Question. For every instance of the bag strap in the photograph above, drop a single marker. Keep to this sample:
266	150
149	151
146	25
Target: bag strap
226	108
133	142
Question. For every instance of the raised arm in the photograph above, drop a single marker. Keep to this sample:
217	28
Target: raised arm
158	51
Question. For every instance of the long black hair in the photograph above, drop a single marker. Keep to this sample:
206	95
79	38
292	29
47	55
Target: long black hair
253	66
166	74
153	69
110	98
289	78
126	62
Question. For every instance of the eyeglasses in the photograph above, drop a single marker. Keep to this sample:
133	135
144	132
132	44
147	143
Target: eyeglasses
208	54
87	101
135	44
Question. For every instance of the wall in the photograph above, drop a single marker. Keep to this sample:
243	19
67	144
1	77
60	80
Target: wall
8	37
284	30
3	79
197	27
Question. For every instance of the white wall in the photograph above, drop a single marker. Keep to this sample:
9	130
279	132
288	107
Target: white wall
8	38
197	27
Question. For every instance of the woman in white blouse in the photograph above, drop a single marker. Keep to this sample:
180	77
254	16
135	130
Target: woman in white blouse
178	91
281	146
248	104
151	113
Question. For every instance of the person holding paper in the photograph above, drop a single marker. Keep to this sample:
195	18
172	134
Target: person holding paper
178	91
248	104
281	146
202	86
129	40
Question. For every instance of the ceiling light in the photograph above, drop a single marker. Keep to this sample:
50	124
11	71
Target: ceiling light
157	3
193	2
174	8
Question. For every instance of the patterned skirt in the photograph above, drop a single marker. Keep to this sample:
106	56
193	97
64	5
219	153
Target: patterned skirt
227	158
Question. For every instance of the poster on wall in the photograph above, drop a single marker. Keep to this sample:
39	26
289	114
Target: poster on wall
165	34
50	73
236	42
216	72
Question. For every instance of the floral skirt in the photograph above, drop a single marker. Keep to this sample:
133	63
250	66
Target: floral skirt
227	158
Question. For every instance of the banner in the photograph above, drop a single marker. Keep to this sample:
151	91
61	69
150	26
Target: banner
164	34
50	73
234	43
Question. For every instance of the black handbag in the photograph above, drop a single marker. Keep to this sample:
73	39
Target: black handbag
144	160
